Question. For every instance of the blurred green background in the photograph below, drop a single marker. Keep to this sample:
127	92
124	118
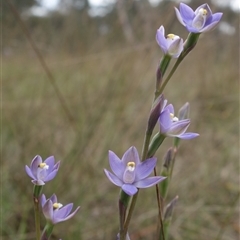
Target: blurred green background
104	68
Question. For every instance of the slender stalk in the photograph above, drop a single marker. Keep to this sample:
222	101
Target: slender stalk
160	73
122	204
130	212
149	149
173	160
160	226
146	145
134	199
47	231
37	217
189	44
169	76
36	193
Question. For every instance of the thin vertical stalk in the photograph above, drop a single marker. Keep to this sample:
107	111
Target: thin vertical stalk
36	199
37	217
189	44
47	231
159	208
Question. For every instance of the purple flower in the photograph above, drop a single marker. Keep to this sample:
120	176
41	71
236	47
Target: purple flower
171	45
130	173
202	20
54	211
42	172
171	126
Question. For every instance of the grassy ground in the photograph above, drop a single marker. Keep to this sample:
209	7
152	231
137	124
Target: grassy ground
108	96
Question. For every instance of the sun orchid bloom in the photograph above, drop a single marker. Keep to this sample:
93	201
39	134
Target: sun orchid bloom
171	126
130	173
42	172
171	45
54	211
198	21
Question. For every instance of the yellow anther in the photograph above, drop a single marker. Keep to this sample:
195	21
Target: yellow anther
57	205
131	164
171	36
203	12
43	165
174	119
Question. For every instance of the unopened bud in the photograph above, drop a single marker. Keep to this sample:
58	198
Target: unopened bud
169	209
168	158
155	112
184	111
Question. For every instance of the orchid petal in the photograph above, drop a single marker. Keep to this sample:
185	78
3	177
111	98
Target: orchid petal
50	162
63	212
186	12
115	180
116	164
48	210
34	164
131	155
148	182
129	189
188	135
68	217
145	168
29	172
178	128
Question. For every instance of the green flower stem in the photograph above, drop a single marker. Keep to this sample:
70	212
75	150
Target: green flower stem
168	217
166	225
123	204
155	144
47	231
36	193
189	44
175	150
160	73
160	207
124	198
146	144
147	152
163	186
150	149
130	212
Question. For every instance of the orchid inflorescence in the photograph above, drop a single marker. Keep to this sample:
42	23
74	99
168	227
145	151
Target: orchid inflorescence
41	172
132	172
